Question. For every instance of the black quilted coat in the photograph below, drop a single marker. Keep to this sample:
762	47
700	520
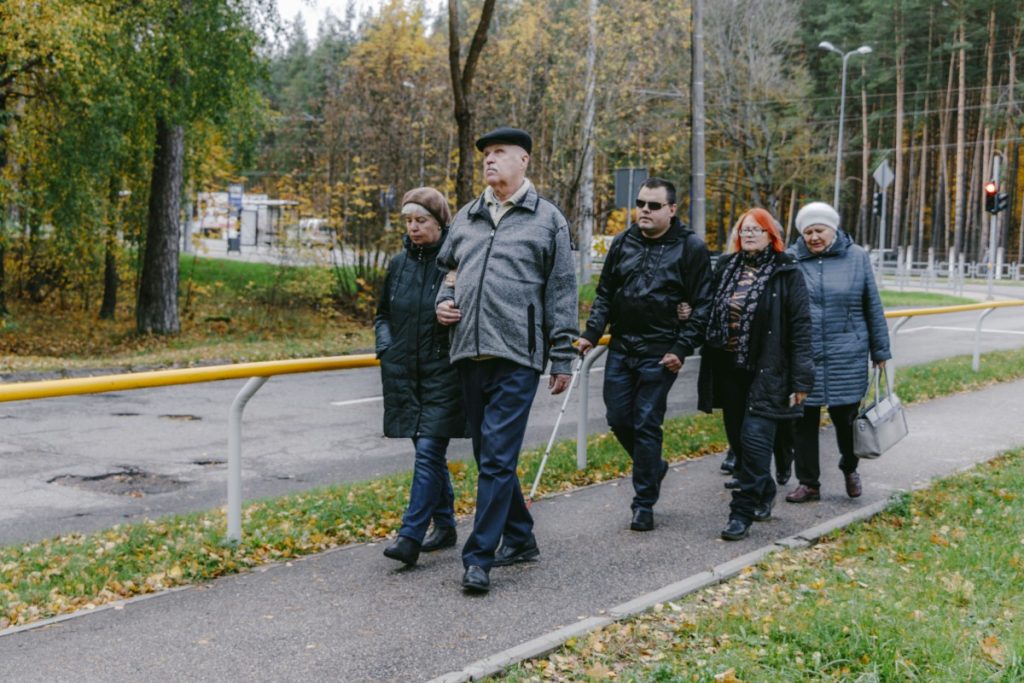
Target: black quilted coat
422	394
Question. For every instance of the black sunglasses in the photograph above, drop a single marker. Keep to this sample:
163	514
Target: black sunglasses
653	206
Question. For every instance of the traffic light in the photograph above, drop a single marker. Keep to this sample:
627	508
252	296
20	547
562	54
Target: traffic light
1002	202
991	196
878	203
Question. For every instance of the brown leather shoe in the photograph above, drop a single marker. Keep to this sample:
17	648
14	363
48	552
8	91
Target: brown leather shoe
803	494
853	487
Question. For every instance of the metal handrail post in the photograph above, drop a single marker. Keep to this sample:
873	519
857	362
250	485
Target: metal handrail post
890	365
235	456
582	424
976	361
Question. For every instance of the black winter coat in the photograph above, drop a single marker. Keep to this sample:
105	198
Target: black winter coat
642	282
780	339
422	394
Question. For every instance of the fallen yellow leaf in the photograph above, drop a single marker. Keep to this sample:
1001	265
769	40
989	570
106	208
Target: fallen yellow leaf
993	649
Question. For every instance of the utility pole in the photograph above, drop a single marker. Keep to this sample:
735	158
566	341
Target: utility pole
698	206
993	223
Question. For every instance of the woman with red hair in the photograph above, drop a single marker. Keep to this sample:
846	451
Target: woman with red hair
756	361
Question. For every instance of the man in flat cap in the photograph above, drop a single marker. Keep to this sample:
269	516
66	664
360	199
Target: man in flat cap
510	298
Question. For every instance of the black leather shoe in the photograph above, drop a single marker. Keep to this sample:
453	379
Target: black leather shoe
729	464
782	476
763	512
643	520
439	537
735	530
404	550
475	580
733	483
527	552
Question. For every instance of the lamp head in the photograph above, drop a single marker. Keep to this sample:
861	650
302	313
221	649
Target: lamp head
825	45
864	49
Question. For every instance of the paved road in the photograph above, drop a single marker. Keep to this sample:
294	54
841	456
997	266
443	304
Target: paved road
351	615
300	431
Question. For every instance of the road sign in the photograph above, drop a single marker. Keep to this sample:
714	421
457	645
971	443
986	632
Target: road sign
627	182
883	175
235	194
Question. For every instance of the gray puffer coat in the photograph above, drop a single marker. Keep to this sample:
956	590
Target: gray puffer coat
422	394
847	320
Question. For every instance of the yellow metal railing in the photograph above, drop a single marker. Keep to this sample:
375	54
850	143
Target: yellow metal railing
23	391
258	373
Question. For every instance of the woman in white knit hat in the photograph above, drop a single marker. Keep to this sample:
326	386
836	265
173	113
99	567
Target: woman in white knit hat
848	328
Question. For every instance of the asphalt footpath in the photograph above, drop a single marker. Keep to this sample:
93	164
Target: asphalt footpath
353	615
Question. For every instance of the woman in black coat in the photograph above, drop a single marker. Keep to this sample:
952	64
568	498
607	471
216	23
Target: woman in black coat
422	396
756	361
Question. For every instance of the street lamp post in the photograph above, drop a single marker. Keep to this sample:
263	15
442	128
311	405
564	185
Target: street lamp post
862	50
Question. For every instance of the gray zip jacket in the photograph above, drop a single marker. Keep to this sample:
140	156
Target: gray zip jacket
515	284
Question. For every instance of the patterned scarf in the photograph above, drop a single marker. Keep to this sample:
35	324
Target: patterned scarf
718	326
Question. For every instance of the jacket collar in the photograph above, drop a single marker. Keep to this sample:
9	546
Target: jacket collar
838	248
529	201
676	231
783	260
419	252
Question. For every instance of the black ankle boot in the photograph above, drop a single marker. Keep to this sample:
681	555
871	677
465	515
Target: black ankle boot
404	550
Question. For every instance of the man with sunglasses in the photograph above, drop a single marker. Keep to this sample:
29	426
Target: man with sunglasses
652	267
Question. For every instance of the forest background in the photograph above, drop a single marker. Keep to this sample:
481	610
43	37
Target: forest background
114	116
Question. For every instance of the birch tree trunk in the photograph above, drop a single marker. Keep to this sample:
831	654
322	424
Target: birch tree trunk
961	144
587	185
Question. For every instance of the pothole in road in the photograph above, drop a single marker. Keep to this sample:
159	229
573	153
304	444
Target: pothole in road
183	418
125	414
129	481
209	462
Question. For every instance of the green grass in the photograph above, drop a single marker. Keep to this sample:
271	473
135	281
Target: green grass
927	591
67	573
892	298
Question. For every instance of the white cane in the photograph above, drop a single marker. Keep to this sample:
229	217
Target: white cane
558	421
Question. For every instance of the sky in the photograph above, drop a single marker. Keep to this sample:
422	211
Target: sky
313	11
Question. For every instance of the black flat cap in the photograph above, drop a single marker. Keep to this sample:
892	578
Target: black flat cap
508	136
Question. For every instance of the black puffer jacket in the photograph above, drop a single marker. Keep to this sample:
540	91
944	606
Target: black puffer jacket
780	340
642	282
422	395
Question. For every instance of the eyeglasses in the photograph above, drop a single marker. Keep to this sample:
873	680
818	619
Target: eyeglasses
653	206
751	231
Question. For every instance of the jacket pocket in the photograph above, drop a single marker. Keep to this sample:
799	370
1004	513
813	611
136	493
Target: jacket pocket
531	329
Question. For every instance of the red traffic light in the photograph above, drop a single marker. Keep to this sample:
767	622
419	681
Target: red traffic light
991	187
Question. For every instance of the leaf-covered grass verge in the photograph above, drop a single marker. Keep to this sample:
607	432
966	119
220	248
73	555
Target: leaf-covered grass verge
77	571
927	591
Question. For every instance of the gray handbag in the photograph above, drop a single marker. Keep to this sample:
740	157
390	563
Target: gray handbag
881	424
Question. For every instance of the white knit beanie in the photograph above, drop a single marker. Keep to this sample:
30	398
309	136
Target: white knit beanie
816	213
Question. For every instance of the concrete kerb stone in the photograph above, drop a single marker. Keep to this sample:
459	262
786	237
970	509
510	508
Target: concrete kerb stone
845	520
538	647
672	591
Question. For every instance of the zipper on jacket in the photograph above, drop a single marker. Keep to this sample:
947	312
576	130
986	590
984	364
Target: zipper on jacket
483	272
